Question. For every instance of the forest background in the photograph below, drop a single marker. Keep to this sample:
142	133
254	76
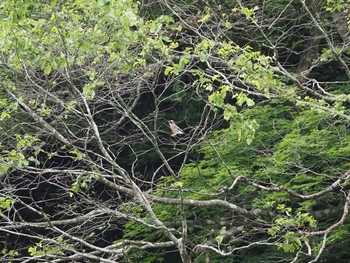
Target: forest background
89	171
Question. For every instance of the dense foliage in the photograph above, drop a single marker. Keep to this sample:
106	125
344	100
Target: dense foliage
91	172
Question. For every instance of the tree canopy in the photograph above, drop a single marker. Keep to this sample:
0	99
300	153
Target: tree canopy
91	172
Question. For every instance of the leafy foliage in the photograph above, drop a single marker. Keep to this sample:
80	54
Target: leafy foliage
89	169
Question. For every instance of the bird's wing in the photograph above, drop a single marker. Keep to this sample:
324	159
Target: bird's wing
173	128
178	128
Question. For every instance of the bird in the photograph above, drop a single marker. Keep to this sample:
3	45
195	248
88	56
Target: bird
175	129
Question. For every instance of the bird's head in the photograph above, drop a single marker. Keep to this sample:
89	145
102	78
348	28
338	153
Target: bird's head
171	122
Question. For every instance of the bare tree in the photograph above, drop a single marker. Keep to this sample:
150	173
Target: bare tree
85	138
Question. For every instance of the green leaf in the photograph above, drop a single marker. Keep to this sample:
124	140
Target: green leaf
5	203
4	115
78	155
168	70
47	69
204	19
220	237
178	184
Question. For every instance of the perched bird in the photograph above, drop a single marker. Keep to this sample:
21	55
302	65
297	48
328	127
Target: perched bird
175	129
